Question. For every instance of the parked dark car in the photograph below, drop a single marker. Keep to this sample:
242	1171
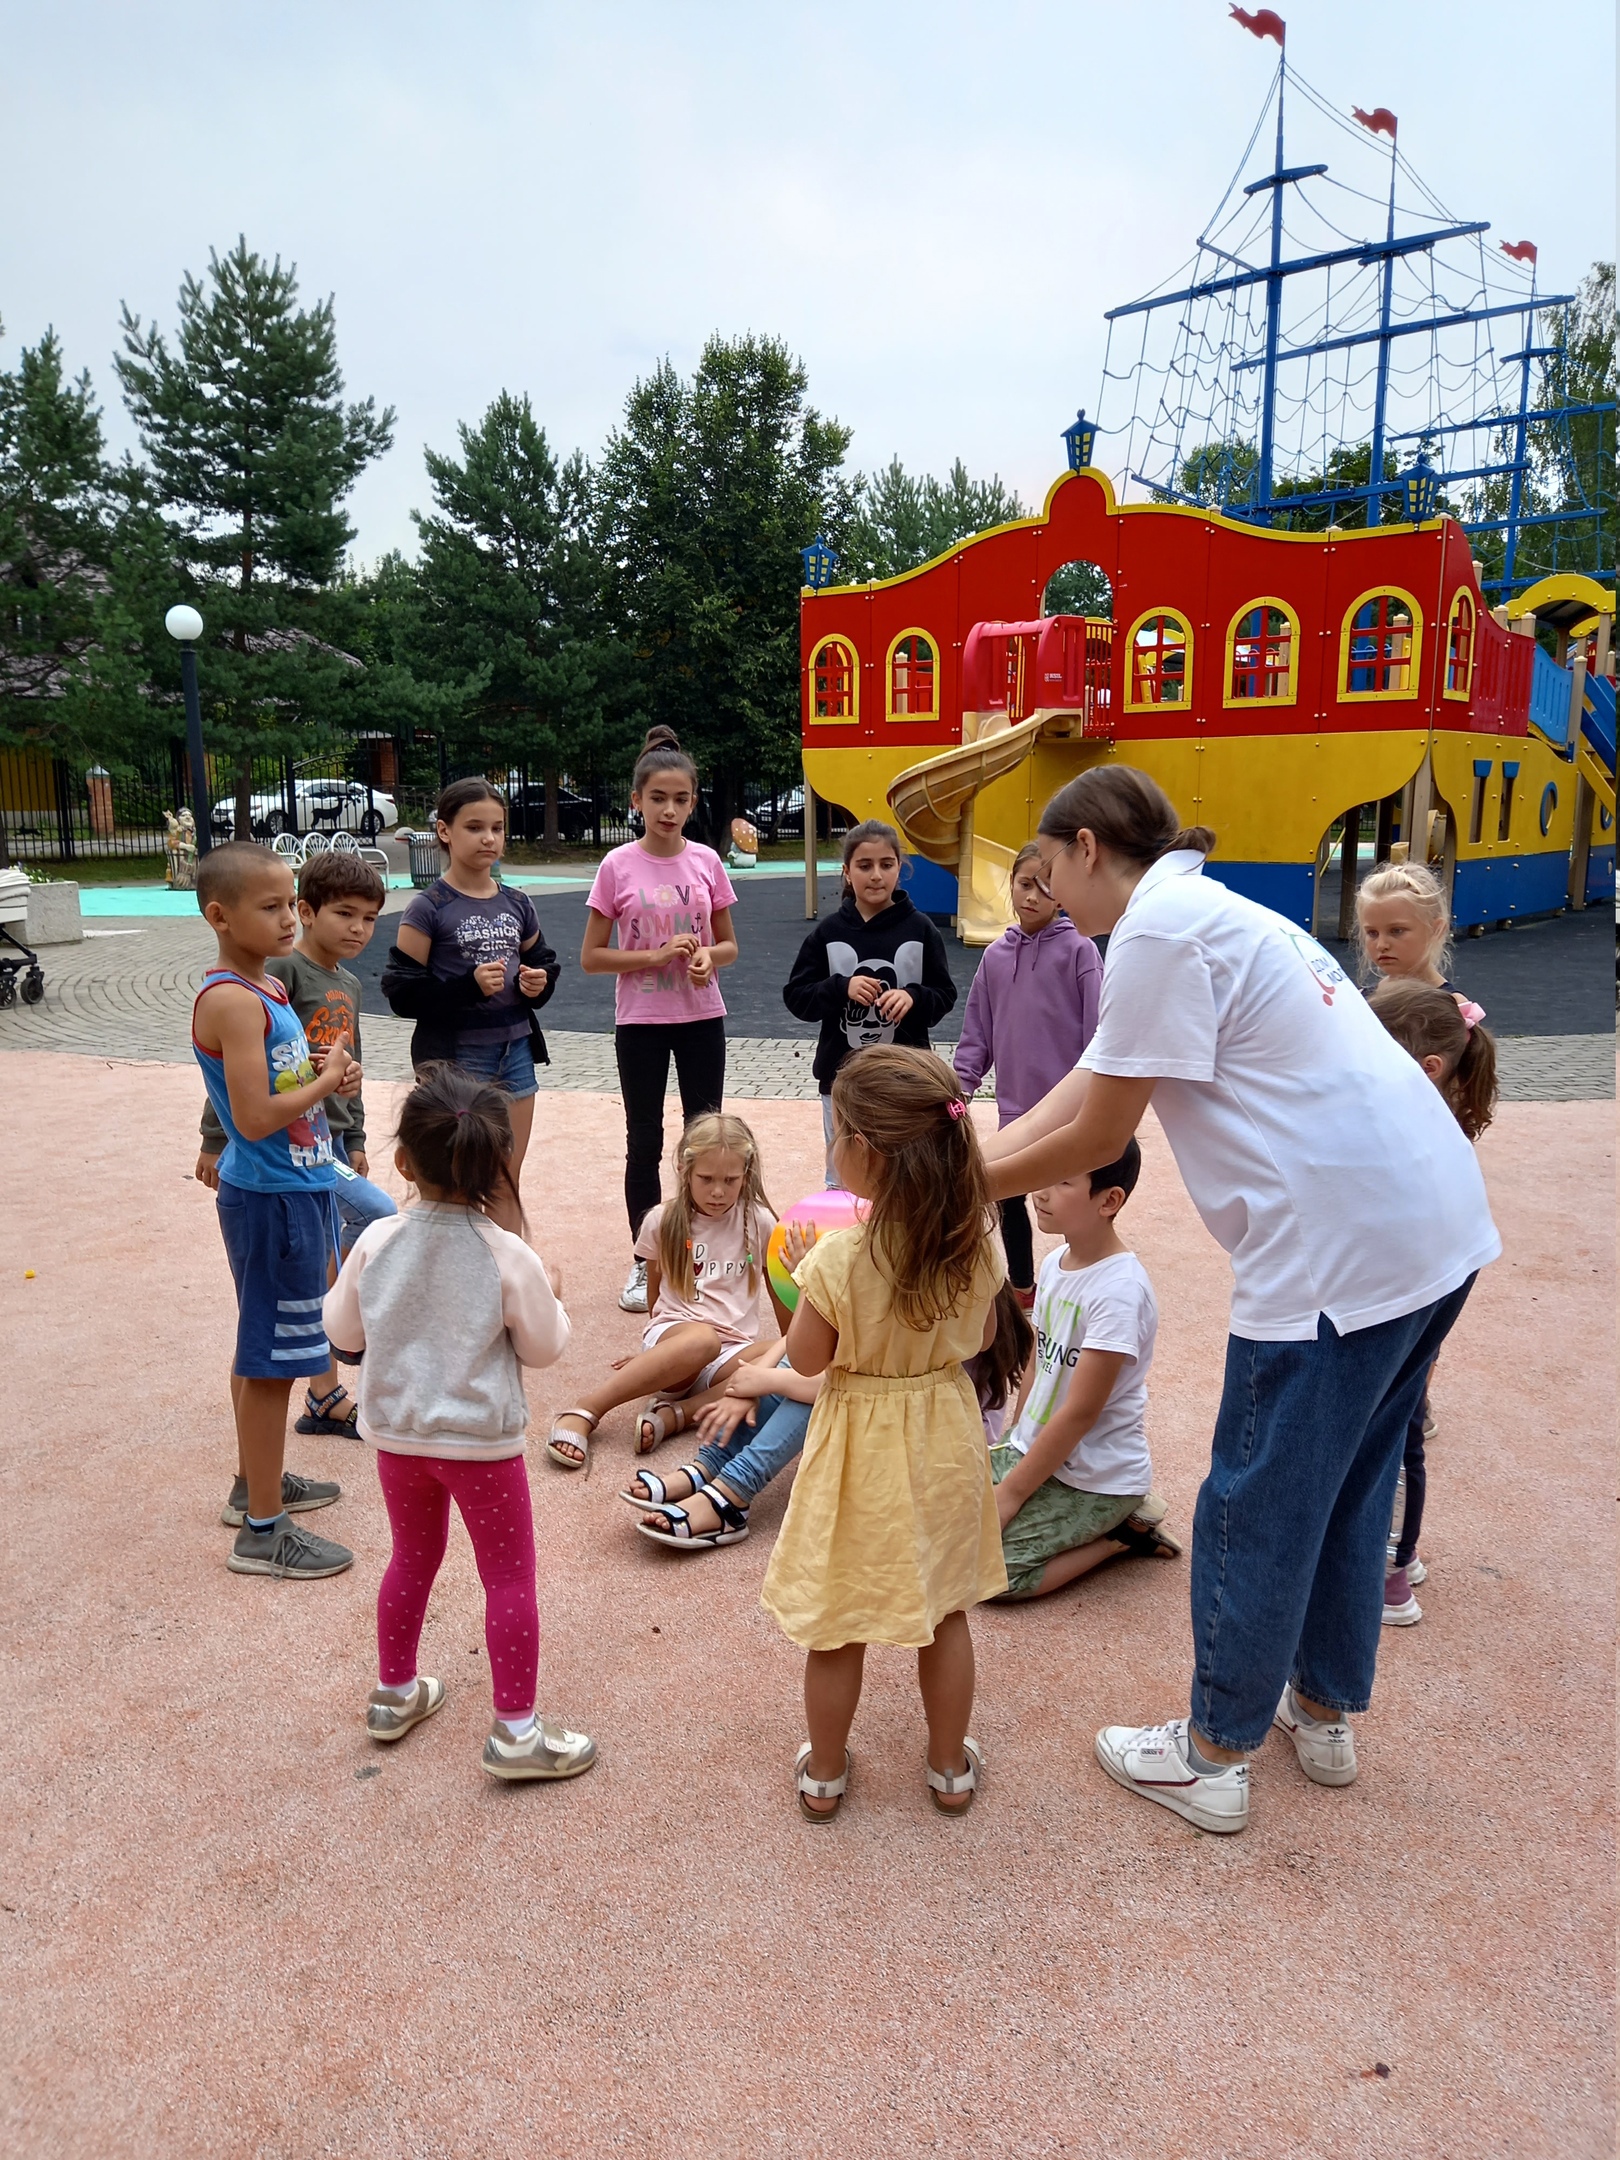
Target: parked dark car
526	813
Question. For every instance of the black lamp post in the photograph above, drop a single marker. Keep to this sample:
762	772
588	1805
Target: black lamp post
185	626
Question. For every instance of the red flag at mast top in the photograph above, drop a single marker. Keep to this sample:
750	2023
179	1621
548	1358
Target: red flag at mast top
1263	23
1521	251
1380	121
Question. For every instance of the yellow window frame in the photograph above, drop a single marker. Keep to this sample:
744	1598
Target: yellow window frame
1286	697
1414	658
1458	598
852	717
1135	704
902	719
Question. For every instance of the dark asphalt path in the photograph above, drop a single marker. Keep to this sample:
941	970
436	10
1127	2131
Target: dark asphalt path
1553	977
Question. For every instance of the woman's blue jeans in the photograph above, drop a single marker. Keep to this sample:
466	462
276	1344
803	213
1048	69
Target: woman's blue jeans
1290	1529
756	1453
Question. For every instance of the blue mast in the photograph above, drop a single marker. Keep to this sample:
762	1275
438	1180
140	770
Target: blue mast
1375	468
1274	292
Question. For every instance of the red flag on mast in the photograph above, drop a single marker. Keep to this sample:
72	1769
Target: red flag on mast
1263	23
1380	121
1521	251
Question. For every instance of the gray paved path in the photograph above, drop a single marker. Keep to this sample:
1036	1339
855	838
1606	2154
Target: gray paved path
127	991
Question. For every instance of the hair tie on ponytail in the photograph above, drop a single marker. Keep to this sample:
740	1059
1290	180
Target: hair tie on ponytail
957	1107
1472	1014
460	1114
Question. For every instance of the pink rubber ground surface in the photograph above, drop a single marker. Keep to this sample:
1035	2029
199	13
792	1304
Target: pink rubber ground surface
228	1923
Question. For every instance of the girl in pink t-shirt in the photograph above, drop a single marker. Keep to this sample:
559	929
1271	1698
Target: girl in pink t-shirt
705	1256
670	901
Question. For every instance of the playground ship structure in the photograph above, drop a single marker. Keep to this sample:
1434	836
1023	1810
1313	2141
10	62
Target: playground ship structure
1358	687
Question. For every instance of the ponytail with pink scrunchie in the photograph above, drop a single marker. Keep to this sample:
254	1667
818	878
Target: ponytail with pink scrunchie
1472	1014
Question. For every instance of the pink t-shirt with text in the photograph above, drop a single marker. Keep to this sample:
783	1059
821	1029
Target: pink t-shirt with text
650	899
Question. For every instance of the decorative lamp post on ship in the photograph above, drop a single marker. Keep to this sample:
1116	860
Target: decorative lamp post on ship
1080	440
185	626
1420	490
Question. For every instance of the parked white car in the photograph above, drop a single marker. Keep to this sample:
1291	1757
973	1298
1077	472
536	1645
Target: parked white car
323	806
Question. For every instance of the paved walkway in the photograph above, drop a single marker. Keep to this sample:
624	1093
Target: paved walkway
126	992
228	1923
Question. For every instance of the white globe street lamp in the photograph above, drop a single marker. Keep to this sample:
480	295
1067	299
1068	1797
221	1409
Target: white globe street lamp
185	626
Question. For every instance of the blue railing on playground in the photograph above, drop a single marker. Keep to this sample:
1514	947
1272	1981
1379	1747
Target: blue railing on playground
1550	690
1597	717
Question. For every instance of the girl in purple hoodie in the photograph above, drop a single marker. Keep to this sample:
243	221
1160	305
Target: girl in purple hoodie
1030	1013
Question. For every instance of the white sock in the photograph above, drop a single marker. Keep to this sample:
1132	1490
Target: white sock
521	1728
1310	1723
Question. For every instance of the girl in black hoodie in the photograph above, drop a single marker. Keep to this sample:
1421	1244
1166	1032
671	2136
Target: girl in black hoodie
874	972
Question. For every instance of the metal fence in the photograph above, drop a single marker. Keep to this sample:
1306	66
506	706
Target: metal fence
61	811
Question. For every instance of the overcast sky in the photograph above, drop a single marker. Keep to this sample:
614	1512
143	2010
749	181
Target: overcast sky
932	203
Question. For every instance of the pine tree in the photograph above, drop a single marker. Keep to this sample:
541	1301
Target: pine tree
899	520
509	588
708	491
252	453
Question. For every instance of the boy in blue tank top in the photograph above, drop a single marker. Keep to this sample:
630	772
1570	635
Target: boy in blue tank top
276	1201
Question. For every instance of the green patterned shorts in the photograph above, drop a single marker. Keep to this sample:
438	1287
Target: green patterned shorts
1054	1519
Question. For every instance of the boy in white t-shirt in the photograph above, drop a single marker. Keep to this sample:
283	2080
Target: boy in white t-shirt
1073	1479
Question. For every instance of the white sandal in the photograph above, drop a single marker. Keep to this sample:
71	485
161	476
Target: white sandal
658	1493
963	1781
819	1788
559	1431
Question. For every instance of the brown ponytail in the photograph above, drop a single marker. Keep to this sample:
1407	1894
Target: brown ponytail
1126	812
457	1131
1428	1022
661	752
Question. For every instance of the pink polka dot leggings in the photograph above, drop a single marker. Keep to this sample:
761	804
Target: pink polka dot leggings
494	1501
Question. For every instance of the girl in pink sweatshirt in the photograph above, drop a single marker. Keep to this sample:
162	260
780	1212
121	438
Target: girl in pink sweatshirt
446	1308
1030	1013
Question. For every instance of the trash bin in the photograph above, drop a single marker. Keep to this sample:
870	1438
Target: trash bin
427	859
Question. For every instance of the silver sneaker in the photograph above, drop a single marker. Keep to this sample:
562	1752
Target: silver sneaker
550	1751
282	1550
391	1712
298	1496
1327	1753
633	1297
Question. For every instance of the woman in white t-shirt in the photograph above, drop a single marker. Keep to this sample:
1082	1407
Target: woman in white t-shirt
1355	1216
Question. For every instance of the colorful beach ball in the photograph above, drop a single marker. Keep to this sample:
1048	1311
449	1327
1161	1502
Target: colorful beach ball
833	1209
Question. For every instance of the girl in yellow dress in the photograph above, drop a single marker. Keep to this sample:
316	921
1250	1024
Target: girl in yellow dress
891	1532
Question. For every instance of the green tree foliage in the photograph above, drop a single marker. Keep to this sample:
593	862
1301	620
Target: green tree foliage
509	595
252	453
706	494
897	520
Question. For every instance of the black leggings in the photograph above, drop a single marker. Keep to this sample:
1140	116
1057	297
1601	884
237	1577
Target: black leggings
1414	1463
1019	1241
699	1048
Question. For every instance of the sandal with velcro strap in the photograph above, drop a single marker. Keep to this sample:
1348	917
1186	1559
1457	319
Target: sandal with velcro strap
963	1781
318	1418
1146	1536
657	1493
681	1537
813	1788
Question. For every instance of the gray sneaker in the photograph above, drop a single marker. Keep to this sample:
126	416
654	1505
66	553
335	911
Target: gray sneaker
551	1751
391	1712
282	1550
298	1496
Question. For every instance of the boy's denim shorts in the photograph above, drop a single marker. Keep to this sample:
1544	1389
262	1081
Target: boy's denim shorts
278	1244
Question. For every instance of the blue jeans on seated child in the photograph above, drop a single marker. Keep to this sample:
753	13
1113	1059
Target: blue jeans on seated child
1290	1528
757	1453
359	1202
